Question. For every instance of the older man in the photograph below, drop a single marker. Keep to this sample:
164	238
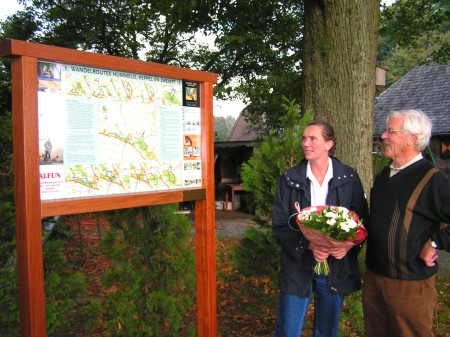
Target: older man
410	202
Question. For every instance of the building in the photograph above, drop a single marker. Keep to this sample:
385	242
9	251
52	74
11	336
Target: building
426	88
228	159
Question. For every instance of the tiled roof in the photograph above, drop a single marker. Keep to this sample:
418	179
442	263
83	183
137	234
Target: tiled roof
241	131
426	88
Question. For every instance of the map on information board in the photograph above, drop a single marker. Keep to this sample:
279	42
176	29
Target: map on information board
106	132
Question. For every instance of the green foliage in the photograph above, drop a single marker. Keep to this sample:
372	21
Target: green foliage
6	168
152	283
442	311
266	95
351	322
406	20
379	162
258	44
62	285
442	54
246	42
9	303
21	26
413	32
403	59
280	149
419	28
223	127
7	225
257	245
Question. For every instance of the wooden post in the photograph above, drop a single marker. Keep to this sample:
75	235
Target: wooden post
205	228
27	197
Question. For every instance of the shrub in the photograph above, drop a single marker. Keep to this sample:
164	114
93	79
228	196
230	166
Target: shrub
152	283
280	150
62	288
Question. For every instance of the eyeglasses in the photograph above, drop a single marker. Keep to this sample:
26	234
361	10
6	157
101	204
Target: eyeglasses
392	132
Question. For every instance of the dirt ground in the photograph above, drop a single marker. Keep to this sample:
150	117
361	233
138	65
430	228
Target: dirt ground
226	215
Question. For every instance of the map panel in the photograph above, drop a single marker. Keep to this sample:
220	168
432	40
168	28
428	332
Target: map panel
121	133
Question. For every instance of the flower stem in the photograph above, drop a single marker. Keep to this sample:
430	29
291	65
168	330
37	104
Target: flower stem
322	268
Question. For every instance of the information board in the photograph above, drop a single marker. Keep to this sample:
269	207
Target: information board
93	133
105	132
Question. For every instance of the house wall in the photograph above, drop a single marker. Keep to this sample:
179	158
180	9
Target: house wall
227	170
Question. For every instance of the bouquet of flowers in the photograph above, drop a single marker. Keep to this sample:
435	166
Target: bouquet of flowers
332	227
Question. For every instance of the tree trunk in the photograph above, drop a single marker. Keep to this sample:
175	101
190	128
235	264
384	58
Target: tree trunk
340	38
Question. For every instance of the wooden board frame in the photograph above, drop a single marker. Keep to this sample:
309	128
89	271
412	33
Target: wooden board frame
30	209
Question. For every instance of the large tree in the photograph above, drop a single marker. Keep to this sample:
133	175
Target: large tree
340	43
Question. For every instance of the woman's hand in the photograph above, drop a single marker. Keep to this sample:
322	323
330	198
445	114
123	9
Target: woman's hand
339	253
320	252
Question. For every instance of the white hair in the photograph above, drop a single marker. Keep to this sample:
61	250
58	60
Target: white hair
417	123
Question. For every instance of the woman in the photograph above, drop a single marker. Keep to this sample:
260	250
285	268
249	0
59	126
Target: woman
320	179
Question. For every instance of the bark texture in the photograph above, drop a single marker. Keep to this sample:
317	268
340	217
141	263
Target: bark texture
340	38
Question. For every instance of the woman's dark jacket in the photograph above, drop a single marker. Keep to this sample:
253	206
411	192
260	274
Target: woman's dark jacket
345	189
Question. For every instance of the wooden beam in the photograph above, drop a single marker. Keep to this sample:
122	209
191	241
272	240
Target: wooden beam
205	226
27	197
11	47
106	203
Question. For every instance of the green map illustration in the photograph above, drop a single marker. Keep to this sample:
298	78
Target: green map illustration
127	142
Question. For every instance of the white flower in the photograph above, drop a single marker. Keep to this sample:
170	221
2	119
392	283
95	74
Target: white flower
331	222
331	215
342	210
305	215
345	227
352	224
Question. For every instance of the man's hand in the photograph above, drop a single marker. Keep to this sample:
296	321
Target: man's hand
429	254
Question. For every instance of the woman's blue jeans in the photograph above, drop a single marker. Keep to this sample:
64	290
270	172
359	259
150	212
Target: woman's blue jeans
292	311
